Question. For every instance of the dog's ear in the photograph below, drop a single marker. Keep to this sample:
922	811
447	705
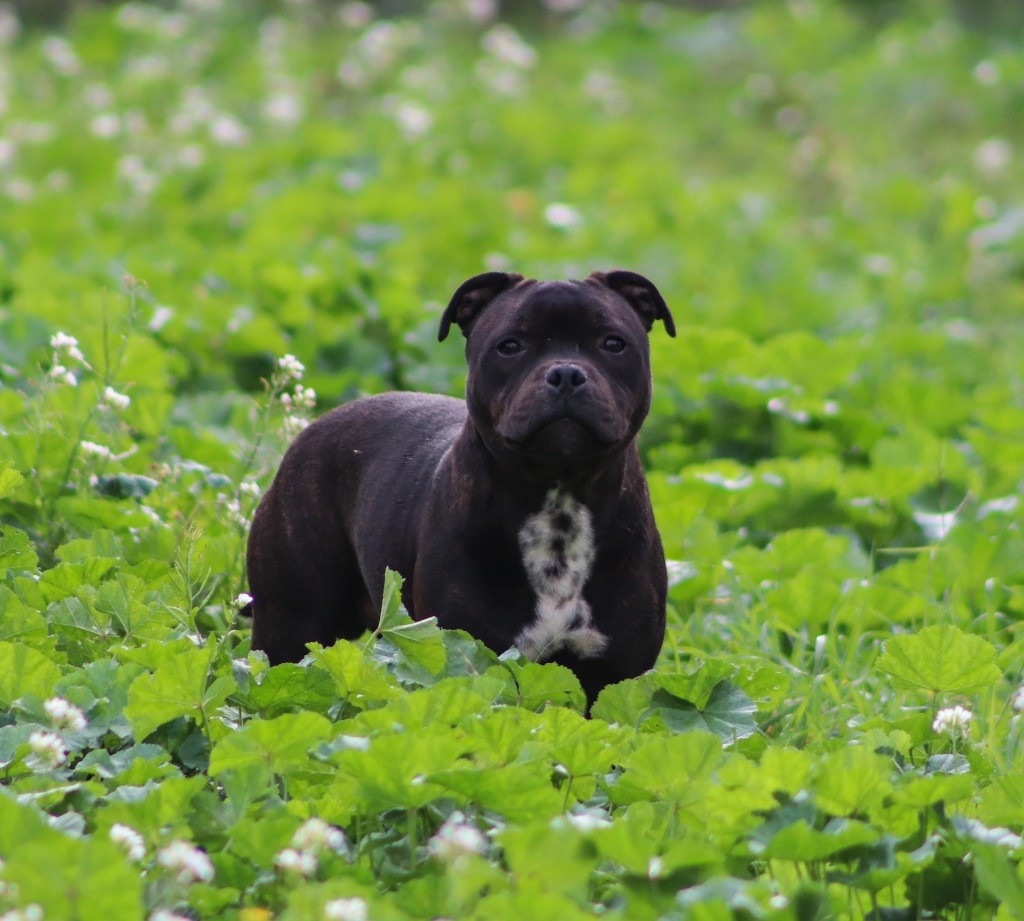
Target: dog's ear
471	297
640	294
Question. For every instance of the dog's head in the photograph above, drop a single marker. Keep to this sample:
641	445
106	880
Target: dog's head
559	371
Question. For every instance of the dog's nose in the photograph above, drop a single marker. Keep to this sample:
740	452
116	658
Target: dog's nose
565	378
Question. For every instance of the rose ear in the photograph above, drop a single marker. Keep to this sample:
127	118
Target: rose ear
471	297
640	294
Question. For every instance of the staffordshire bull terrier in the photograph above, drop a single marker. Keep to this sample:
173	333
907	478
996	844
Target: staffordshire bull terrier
520	515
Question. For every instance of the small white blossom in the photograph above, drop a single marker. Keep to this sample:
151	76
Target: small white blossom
986	73
250	488
300	863
62	374
981	832
562	216
315	835
290	368
129	841
187	863
242	599
354	909
456	838
284	109
228	131
105	125
1018	699
655	867
778	901
30	912
293	425
355	15
65	715
90	447
61	56
413	120
48	748
505	43
588	820
993	156
164	914
953	721
114	400
9	24
67	345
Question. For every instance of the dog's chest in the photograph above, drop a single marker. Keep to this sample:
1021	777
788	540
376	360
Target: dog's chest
558	548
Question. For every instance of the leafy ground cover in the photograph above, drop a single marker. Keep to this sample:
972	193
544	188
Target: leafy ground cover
828	195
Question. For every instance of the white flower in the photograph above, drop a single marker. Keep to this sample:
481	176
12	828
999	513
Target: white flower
346	910
48	748
129	841
456	838
64	715
187	863
31	912
228	131
588	820
986	73
953	721
293	425
164	914
301	863
105	125
993	156
655	867
355	15
504	43
290	368
90	447
778	902
562	216
68	345
249	488
241	600
62	374
1018	699
284	109
315	835
981	832
9	24
61	55
413	120
481	11
113	399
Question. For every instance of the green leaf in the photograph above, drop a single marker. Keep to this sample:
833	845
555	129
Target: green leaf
673	768
175	689
291	687
16	551
729	713
851	780
355	675
95	882
10	478
24	671
275	744
799	841
999	876
939	659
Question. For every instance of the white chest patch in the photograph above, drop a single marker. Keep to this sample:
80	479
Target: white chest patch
558	551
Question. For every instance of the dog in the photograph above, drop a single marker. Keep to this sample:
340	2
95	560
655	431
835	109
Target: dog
520	515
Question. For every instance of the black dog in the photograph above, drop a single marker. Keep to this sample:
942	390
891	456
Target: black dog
520	515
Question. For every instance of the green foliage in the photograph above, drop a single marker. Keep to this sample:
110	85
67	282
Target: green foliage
827	195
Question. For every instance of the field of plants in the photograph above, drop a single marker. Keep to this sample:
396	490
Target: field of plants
218	220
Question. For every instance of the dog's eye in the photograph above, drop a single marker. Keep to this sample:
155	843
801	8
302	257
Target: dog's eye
613	344
509	347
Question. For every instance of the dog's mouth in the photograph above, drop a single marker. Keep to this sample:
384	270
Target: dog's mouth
561	439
